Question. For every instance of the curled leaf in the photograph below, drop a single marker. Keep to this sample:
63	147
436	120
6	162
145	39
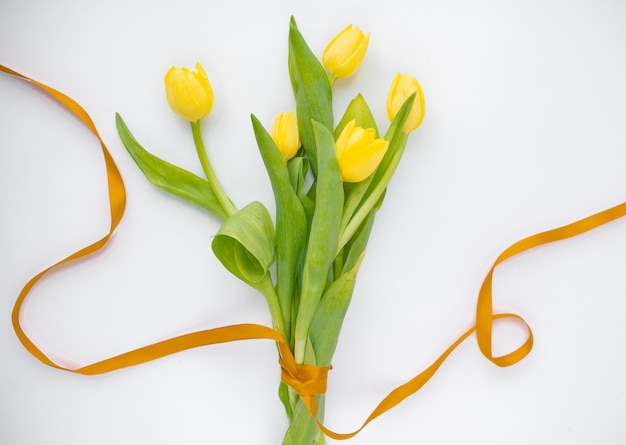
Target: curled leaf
245	243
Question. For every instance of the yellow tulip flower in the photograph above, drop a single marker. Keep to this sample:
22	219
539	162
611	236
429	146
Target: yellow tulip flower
359	152
402	87
285	134
345	52
189	93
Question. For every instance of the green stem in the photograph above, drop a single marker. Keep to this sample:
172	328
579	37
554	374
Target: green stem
303	429
223	199
331	79
338	264
266	287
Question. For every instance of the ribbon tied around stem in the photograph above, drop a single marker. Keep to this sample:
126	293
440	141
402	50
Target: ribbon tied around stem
306	380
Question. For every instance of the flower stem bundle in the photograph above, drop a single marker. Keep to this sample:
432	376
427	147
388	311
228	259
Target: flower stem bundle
328	182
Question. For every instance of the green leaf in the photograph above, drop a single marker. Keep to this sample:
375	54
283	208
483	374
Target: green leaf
360	112
323	237
397	141
298	168
354	192
303	429
312	92
291	221
169	177
330	314
353	251
245	243
283	395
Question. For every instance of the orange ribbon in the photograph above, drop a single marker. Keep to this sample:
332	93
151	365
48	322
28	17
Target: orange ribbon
306	380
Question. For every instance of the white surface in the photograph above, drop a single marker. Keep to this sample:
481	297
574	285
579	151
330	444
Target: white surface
526	104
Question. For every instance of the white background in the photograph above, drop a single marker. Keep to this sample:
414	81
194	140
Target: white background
526	104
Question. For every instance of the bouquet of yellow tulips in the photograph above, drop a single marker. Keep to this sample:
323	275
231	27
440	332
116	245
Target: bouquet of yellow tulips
329	180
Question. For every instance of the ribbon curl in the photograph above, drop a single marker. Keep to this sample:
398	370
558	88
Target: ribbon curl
308	381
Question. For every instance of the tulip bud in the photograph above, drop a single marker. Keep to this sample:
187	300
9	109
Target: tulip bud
402	87
359	152
285	134
344	54
189	93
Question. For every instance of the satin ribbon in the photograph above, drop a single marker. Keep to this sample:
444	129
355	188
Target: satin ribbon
307	381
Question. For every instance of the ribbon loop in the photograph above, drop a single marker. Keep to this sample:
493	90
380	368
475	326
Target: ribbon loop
514	356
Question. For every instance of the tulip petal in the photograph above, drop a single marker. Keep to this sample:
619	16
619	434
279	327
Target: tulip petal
189	93
345	52
360	161
402	87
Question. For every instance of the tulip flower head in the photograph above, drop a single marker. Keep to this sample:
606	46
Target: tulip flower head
189	93
402	87
285	134
345	52
359	152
